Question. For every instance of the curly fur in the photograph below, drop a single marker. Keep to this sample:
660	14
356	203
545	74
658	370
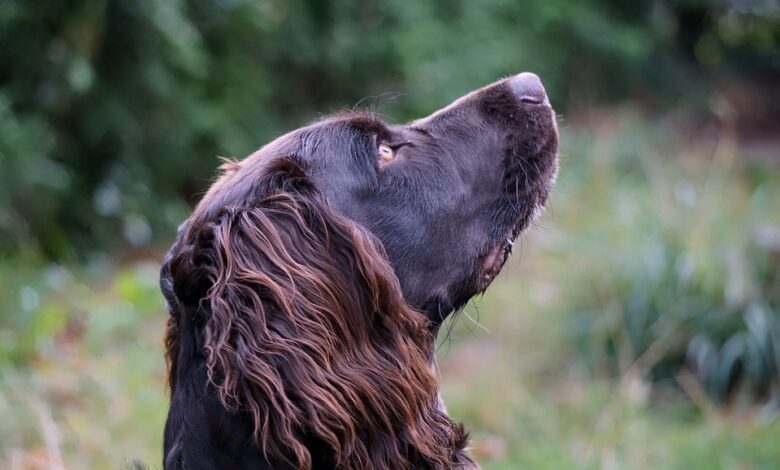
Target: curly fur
306	288
306	331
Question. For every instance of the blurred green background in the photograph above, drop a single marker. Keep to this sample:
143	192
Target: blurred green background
637	327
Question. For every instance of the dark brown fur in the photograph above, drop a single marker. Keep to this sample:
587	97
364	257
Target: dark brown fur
308	333
307	286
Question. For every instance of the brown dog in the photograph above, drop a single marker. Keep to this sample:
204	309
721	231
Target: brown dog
306	288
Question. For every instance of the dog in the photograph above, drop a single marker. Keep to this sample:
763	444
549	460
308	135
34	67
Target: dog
306	288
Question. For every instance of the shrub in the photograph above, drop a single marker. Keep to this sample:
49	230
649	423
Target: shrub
674	264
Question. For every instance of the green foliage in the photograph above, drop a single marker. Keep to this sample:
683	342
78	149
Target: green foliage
683	259
44	306
112	112
80	347
81	366
655	270
653	256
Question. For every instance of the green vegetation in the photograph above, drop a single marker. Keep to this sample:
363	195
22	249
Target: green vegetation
629	332
89	381
556	374
112	111
637	325
686	275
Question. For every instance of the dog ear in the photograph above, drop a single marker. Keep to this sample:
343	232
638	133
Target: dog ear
305	331
193	265
171	338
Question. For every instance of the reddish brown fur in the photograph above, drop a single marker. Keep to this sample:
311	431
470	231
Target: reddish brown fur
308	332
294	341
171	344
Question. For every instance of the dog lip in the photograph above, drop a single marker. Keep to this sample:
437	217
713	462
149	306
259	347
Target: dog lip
495	259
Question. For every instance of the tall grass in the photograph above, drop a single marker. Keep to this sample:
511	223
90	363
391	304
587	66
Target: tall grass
81	369
671	251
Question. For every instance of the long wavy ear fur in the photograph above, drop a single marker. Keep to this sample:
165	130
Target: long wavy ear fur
171	338
305	330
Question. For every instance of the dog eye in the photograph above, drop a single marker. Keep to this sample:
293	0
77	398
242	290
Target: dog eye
386	153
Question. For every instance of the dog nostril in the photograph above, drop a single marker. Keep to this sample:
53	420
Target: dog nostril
528	88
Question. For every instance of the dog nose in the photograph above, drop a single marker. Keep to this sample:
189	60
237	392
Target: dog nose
528	88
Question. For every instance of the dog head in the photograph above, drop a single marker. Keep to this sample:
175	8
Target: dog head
446	195
303	270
